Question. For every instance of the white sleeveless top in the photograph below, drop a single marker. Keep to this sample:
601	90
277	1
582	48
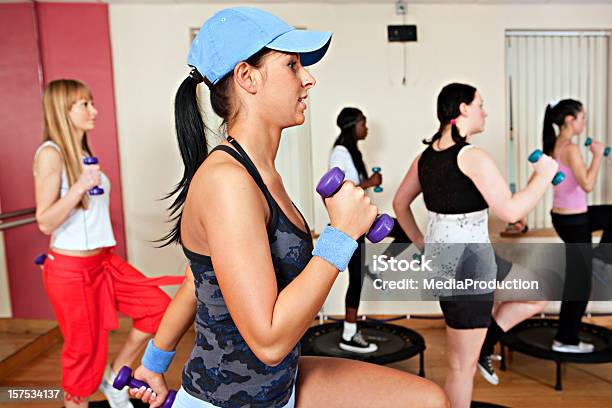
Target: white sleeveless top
84	229
341	157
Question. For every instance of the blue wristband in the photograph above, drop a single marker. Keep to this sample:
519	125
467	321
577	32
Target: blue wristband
335	247
156	360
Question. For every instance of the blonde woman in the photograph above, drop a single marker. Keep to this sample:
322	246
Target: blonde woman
85	281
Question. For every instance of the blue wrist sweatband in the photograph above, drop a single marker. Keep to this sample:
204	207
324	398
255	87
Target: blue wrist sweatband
335	247
156	360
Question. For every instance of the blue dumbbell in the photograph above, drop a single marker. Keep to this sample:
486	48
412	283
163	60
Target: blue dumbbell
96	190
535	156
588	142
377	189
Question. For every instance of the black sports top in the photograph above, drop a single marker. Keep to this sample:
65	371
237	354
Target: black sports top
446	189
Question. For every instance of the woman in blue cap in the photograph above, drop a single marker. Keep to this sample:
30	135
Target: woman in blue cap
258	283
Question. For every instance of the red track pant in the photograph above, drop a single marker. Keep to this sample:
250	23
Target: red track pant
86	293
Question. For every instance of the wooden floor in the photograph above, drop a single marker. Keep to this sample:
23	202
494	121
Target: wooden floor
528	382
11	342
17	333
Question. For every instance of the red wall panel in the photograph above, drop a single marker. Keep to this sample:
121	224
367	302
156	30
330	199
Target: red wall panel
21	126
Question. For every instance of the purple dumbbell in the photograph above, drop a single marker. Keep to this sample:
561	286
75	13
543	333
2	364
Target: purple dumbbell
125	378
332	181
40	259
96	190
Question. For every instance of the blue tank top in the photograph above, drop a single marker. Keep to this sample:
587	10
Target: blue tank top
222	369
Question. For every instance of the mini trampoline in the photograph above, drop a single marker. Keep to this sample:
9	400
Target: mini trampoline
395	343
534	338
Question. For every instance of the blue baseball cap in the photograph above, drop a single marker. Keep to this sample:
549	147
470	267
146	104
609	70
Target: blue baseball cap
234	34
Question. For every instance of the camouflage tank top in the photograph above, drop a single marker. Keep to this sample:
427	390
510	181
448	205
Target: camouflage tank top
221	369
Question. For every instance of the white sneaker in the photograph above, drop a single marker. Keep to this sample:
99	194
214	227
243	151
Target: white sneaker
581	347
357	344
116	398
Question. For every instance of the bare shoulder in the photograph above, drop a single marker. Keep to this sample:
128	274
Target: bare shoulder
221	169
572	155
221	180
415	163
475	152
474	158
48	160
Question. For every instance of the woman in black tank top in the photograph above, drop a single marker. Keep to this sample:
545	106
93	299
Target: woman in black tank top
257	285
459	183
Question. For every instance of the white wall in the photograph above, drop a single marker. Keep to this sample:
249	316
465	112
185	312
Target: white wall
456	43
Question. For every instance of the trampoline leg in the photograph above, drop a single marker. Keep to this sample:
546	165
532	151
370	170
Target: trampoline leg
503	357
421	364
558	385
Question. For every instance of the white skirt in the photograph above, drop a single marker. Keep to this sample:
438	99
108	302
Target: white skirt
459	248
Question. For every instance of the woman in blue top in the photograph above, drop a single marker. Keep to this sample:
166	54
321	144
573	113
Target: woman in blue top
257	287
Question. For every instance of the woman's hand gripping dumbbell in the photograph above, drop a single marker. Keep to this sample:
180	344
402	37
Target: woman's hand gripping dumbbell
378	188
589	142
92	176
124	377
535	156
331	182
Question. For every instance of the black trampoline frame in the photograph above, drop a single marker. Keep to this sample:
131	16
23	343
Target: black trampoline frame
416	343
513	343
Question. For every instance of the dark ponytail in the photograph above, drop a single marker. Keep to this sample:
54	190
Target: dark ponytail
549	137
347	120
556	114
190	133
192	146
450	99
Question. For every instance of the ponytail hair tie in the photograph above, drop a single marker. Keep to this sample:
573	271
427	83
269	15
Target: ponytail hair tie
195	75
453	122
553	102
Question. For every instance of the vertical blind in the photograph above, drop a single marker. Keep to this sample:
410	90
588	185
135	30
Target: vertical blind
544	66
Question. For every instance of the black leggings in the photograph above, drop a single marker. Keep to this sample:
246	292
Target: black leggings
577	228
353	293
